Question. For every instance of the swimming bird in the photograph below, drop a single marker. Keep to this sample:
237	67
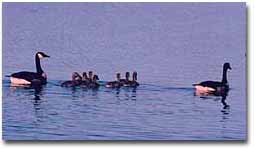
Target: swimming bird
126	80
90	76
85	77
94	83
34	78
215	86
115	84
76	81
134	82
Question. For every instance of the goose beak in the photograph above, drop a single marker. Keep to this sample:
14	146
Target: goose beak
46	56
229	68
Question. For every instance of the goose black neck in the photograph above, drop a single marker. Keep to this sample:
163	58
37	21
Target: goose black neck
38	65
224	76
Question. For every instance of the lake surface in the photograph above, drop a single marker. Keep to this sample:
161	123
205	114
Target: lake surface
170	45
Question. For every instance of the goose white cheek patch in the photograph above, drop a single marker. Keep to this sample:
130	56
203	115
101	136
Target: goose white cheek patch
40	56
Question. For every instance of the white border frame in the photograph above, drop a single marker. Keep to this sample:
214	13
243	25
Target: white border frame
187	144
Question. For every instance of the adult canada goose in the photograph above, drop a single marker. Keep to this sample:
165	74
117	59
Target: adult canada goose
115	84
76	81
215	86
34	78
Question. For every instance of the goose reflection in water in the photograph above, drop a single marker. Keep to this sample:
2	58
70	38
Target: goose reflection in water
34	92
32	89
128	93
222	94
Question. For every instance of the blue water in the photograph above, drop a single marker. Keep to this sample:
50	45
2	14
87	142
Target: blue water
170	45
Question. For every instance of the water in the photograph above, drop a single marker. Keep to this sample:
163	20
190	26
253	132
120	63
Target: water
170	45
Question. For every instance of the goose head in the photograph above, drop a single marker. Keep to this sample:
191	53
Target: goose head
95	78
135	76
42	55
118	76
76	77
226	66
84	76
127	76
90	75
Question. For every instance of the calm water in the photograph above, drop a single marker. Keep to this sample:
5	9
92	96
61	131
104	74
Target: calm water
170	45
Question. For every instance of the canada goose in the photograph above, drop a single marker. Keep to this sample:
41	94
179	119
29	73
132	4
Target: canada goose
126	80
76	81
215	86
34	78
134	82
90	76
94	83
115	84
85	79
